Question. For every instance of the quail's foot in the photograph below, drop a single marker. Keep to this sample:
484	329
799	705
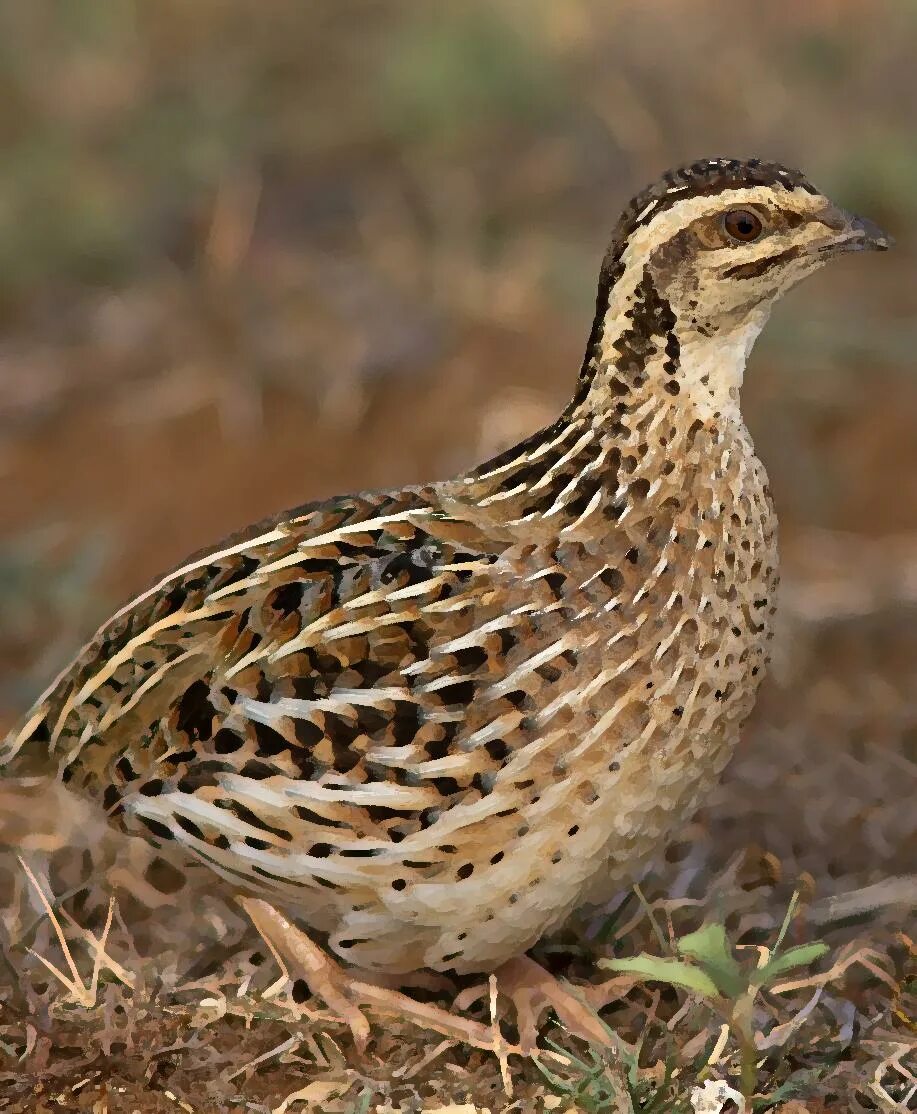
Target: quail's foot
347	995
532	991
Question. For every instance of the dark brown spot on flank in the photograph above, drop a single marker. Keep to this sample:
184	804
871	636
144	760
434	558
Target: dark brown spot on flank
256	770
612	579
438	748
555	581
497	749
156	827
226	742
195	712
461	693
270	742
287	598
125	770
189	826
445	786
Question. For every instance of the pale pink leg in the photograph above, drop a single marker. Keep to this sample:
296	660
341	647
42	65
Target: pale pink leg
533	990
345	994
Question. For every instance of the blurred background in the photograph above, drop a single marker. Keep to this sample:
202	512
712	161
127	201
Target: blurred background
253	257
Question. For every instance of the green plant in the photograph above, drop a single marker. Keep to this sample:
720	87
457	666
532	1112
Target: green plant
709	967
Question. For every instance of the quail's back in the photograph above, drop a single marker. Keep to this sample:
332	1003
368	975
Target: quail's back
430	722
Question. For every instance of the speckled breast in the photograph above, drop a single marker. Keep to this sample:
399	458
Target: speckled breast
671	614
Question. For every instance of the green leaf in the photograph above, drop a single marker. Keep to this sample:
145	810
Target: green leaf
709	947
800	956
797	1086
665	970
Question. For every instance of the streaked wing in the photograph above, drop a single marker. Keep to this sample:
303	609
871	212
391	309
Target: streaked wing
332	683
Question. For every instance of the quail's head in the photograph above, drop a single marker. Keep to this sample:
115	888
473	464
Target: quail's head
722	239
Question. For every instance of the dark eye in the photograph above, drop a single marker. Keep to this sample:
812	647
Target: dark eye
743	225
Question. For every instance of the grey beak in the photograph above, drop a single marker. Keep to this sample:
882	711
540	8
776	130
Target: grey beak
867	235
851	233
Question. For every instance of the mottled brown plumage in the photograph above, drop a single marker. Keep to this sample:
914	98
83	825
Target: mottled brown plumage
431	722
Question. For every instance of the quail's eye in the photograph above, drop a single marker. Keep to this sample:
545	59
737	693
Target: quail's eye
743	225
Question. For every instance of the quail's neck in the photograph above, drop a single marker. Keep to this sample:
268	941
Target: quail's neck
648	383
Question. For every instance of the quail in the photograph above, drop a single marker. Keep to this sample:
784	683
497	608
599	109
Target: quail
424	725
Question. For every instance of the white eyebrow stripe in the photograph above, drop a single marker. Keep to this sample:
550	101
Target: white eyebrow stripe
687	209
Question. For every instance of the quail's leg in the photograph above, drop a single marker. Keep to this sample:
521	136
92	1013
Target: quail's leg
345	994
532	990
325	978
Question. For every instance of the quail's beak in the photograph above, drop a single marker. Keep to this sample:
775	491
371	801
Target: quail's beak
868	236
852	233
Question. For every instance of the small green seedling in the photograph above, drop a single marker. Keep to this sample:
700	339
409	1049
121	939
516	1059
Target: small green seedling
709	968
610	1084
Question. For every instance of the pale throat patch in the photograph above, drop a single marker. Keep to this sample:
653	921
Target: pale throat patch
712	368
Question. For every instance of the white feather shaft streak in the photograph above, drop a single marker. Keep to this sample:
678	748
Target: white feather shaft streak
474	638
444	767
499	496
585	694
329	628
594	502
178	619
482	594
509	721
360	795
388	595
551	472
116	711
342	702
539	451
555	649
605	724
340	534
203	561
456	820
441	682
293	866
280	862
262	651
568	491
